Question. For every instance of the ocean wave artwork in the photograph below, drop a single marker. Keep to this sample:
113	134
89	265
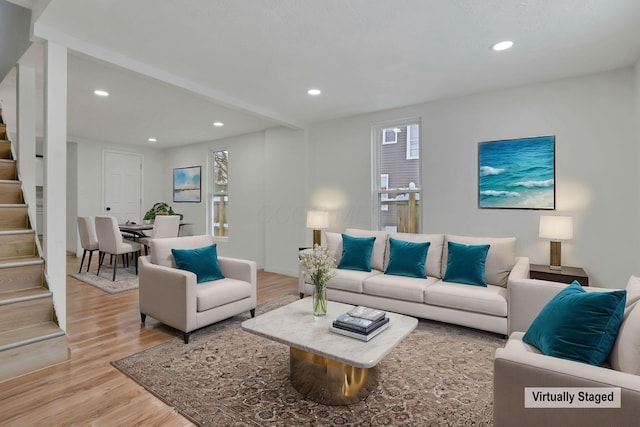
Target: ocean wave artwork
517	173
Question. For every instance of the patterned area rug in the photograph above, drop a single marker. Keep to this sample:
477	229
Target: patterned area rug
439	375
126	279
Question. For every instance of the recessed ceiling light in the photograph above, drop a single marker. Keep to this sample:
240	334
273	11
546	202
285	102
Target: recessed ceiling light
504	45
152	140
314	92
101	92
218	124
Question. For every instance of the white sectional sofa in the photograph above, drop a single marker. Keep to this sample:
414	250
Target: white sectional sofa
430	298
519	365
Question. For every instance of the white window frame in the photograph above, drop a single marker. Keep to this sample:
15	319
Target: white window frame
384	185
377	140
394	132
409	140
215	196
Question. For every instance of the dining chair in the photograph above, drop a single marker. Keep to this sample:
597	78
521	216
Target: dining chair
88	238
164	226
110	242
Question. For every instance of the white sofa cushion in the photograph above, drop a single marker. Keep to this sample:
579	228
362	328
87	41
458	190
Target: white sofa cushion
379	245
220	292
434	254
350	280
633	292
397	287
161	248
625	354
500	259
490	300
333	243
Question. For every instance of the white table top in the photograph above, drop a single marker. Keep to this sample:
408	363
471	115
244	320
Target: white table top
296	326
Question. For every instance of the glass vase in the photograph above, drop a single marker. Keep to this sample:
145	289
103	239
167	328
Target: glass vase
319	300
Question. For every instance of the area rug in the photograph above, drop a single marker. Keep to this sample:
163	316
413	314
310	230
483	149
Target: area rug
439	375
126	279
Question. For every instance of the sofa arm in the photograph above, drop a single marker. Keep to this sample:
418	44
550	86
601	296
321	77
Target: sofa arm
520	269
516	368
525	299
167	294
239	269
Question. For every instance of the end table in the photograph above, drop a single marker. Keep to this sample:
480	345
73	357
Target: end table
565	275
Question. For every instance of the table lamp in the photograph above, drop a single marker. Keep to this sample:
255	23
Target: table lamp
556	228
317	220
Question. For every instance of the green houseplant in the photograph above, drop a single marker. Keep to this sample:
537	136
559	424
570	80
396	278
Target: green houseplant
159	208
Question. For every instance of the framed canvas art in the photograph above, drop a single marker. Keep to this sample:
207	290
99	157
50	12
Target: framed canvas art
517	173
186	184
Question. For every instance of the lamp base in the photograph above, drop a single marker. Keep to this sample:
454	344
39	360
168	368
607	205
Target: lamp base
555	255
316	237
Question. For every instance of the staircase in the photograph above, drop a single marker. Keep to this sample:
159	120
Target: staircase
30	338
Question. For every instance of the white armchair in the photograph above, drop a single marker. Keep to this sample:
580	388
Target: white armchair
173	297
520	365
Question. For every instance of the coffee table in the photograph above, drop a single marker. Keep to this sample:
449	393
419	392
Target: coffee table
327	367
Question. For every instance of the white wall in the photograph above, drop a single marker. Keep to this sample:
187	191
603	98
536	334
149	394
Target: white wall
593	119
88	164
285	210
267	204
15	25
246	187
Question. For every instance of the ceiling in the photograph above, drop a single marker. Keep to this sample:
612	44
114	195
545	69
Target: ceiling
172	68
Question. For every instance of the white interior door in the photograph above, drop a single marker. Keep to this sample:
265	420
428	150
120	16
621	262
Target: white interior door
122	183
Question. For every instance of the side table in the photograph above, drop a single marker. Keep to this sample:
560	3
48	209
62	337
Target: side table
565	275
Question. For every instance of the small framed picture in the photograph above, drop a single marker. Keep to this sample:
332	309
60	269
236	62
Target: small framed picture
186	184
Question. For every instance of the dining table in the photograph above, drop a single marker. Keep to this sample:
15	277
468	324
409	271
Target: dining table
138	230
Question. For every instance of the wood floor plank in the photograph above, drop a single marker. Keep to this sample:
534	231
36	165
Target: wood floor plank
87	390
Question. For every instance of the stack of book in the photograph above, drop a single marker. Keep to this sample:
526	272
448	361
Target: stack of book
361	322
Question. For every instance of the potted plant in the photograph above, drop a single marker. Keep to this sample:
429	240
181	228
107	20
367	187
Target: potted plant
159	208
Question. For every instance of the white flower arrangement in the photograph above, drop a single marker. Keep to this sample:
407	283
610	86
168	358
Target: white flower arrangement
317	265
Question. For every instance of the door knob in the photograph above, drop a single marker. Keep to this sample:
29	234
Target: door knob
108	209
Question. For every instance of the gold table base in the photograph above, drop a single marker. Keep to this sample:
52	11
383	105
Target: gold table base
328	381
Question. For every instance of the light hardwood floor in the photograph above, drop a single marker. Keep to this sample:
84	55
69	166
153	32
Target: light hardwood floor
87	390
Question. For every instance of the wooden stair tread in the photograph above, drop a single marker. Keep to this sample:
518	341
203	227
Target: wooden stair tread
29	334
12	297
19	231
20	261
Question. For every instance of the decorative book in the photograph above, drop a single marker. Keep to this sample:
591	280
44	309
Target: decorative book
357	335
367	313
357	324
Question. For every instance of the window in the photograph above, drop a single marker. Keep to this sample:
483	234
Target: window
390	136
220	194
396	177
413	142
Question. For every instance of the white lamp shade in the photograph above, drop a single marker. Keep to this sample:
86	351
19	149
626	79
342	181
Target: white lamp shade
317	219
556	227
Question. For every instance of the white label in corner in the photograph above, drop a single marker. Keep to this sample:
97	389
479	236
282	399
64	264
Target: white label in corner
572	397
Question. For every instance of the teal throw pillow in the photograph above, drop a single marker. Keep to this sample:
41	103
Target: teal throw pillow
465	264
578	325
203	262
356	253
407	258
